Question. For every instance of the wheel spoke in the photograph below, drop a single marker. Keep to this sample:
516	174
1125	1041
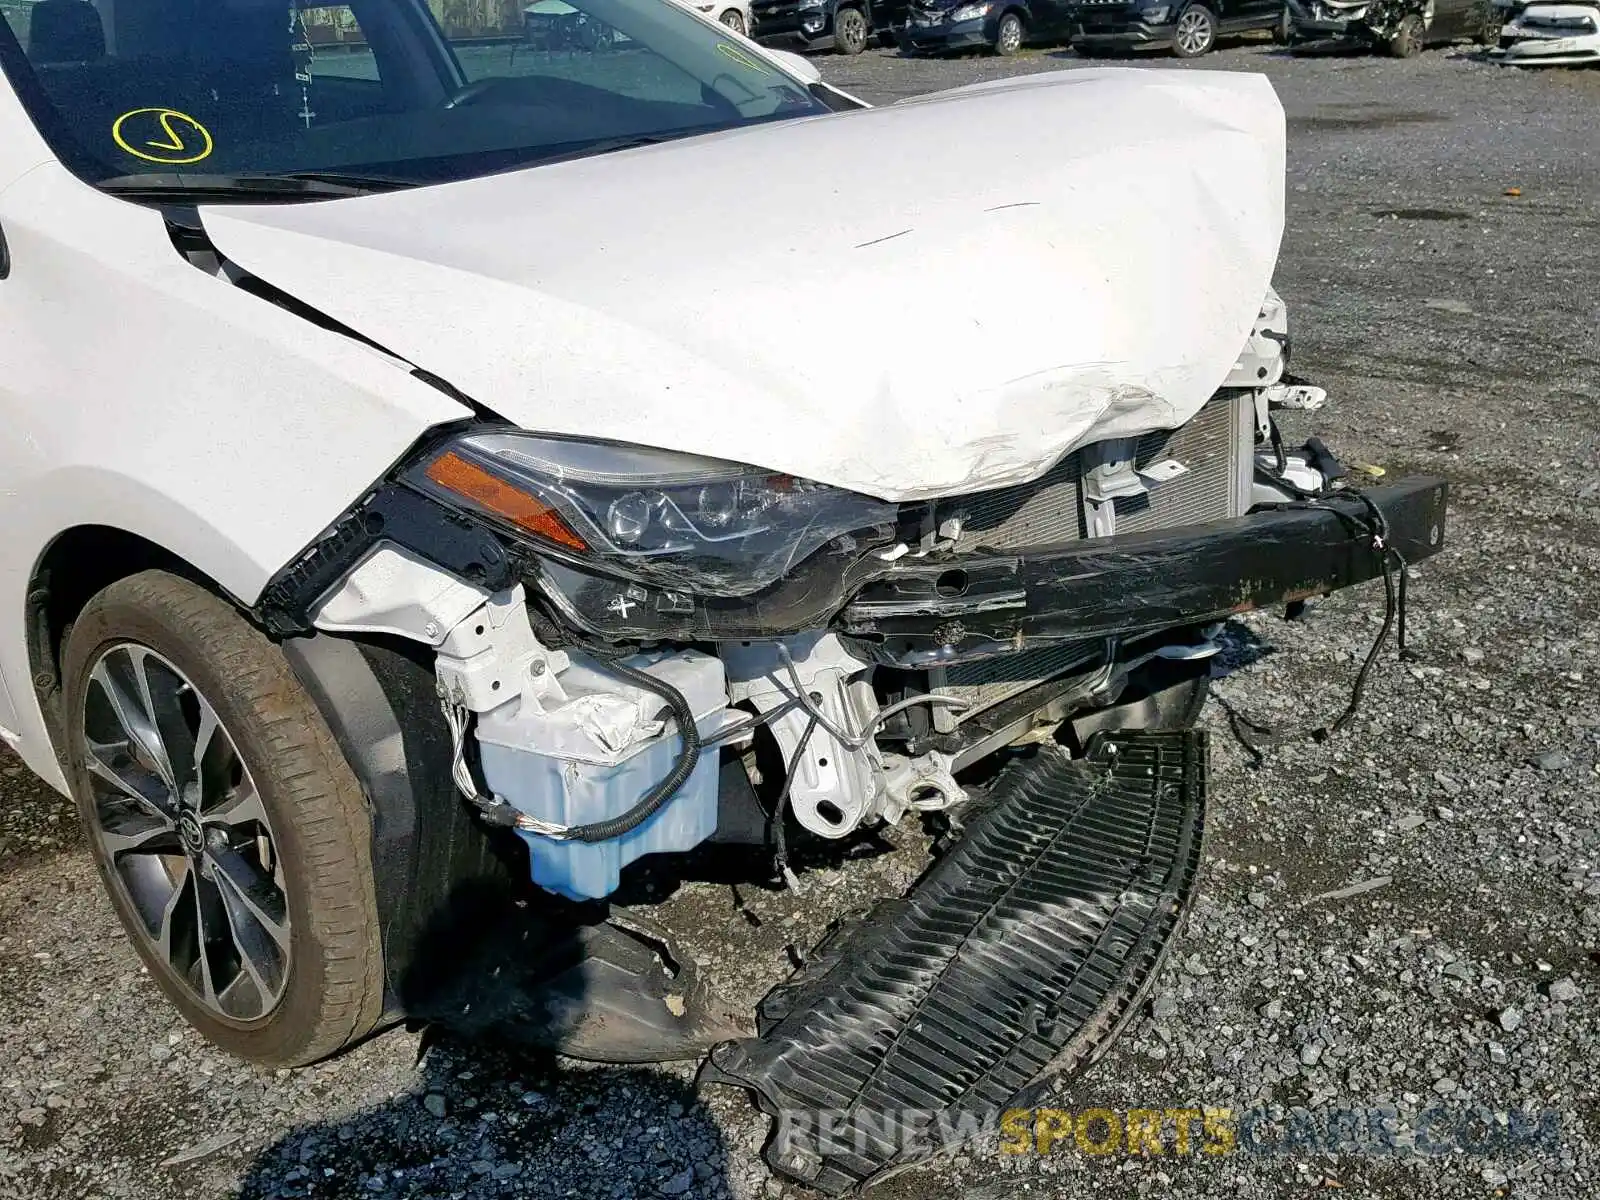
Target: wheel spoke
154	835
249	895
241	806
135	720
161	700
261	945
167	928
102	763
211	926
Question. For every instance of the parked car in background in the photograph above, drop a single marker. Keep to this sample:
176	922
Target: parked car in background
734	14
845	26
1189	28
1403	28
1002	26
1551	35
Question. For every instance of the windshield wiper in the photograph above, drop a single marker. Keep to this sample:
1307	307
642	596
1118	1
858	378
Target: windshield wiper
290	185
568	150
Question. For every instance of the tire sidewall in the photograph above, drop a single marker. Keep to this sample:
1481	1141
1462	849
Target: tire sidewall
1283	31
280	1036
1407	41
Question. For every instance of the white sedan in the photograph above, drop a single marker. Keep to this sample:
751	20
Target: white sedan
1551	35
735	14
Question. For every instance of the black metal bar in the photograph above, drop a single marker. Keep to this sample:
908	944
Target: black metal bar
1142	583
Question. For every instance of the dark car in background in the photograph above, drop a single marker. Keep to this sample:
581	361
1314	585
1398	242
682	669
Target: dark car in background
1003	26
845	26
1403	28
1187	29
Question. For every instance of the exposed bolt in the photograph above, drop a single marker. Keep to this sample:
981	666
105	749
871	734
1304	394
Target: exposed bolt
431	629
536	668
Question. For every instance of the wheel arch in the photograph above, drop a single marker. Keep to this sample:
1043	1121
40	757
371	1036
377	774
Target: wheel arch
377	695
76	564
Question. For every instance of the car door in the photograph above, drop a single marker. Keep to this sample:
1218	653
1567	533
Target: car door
1050	19
1451	19
1246	14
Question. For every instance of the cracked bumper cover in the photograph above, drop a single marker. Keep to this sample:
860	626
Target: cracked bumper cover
969	605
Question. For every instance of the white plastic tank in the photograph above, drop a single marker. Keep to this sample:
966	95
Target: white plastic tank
595	755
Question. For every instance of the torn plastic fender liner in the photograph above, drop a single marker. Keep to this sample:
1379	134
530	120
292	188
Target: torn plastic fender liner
1142	583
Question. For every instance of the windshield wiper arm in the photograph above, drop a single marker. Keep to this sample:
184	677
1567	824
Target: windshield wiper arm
568	150
291	185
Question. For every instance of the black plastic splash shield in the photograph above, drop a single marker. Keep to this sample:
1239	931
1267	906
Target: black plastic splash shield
1018	957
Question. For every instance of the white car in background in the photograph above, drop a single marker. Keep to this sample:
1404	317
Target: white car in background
1551	35
734	15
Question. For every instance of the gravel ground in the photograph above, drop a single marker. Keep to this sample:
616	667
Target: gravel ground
1456	337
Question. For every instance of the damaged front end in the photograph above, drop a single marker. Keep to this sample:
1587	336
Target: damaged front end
625	641
607	620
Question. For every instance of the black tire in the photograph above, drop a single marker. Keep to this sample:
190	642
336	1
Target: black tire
1283	29
1008	35
850	31
332	982
1196	32
1407	39
732	19
1489	30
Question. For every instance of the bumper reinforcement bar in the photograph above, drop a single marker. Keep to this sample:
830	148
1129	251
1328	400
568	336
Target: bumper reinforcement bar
1144	583
1018	956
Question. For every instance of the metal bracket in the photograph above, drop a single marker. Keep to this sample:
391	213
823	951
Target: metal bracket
836	786
493	657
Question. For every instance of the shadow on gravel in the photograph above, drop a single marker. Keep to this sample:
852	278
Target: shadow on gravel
499	982
487	1122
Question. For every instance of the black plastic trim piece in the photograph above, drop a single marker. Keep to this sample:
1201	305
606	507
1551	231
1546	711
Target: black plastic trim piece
1142	583
392	513
1018	957
427	851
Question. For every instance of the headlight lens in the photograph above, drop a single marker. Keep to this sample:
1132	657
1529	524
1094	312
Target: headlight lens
1155	16
678	520
969	12
805	4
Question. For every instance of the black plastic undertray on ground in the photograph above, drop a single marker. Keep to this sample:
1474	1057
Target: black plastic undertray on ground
1017	957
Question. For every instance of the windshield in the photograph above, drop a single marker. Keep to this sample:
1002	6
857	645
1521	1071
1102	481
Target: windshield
149	94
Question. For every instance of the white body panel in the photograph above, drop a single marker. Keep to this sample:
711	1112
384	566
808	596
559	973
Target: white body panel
938	297
141	393
1040	264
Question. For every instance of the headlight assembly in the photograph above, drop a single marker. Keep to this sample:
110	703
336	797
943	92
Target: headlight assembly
677	520
969	12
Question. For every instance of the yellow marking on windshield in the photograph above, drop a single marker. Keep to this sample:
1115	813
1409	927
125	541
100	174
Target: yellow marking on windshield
162	135
729	50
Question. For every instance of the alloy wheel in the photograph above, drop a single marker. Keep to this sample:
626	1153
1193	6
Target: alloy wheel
850	31
1009	39
1193	34
733	20
185	833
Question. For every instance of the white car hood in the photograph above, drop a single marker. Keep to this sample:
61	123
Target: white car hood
932	298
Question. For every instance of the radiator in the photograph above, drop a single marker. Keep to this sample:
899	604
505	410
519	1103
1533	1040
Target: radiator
1217	448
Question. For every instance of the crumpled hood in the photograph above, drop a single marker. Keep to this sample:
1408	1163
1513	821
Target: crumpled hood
931	298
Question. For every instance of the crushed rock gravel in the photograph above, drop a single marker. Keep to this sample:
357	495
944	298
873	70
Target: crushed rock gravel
1404	918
